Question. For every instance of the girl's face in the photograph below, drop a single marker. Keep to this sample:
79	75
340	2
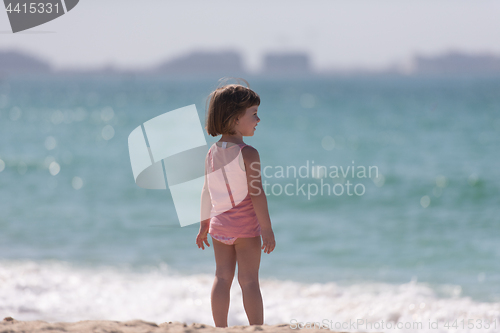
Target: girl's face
246	124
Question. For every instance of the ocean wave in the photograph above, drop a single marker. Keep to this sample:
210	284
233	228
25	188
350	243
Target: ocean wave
60	291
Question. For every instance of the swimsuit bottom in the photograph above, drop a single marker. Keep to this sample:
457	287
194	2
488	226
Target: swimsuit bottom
223	239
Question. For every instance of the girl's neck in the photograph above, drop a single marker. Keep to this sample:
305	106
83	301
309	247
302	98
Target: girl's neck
232	138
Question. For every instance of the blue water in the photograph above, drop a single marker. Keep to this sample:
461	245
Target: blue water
431	217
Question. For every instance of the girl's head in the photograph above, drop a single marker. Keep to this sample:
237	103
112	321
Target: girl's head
228	105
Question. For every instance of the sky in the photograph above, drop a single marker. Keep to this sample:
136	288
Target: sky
342	34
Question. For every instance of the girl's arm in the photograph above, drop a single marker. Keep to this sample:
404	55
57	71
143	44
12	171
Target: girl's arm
259	200
206	207
206	204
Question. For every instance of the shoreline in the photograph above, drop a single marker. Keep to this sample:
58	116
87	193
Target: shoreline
11	325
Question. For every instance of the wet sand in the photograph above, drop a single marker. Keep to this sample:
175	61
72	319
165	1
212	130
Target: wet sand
12	325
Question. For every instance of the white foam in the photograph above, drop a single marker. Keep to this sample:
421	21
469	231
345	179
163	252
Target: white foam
57	291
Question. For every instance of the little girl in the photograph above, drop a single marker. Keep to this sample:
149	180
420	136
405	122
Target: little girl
233	204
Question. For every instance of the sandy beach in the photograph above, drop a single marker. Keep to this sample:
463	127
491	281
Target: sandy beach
12	325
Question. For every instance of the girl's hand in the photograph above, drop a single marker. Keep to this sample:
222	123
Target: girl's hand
268	242
202	237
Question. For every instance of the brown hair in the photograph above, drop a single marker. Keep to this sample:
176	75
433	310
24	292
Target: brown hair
227	103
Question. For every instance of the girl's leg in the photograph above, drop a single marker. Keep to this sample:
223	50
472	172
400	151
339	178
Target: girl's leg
225	260
248	257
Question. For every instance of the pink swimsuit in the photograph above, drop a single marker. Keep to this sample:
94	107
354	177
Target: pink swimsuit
232	214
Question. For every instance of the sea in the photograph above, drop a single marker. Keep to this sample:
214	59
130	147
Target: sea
383	192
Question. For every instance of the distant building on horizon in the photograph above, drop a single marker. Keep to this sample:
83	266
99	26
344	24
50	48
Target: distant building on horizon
275	64
456	63
201	62
286	63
